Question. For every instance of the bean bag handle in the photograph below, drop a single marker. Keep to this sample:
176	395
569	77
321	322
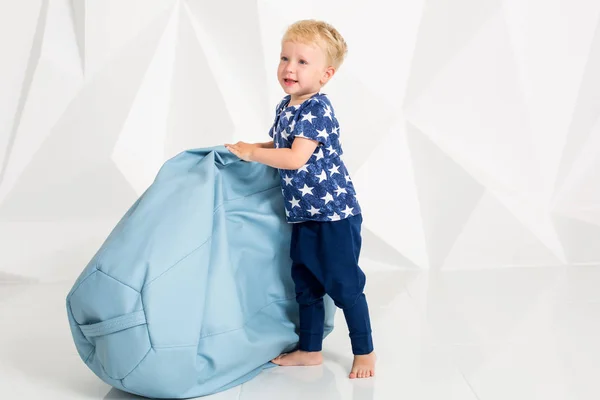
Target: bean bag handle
114	324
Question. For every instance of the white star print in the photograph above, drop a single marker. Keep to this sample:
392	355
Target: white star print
319	154
313	211
348	211
334	217
348	178
322	177
292	124
327	112
277	145
328	197
323	133
303	168
285	135
331	150
287	213
308	117
288	180
288	114
301	135
336	130
339	191
306	190
295	202
334	169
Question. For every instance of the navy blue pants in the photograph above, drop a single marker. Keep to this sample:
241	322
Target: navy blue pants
325	260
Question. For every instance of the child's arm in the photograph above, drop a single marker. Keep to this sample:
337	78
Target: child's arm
267	145
293	158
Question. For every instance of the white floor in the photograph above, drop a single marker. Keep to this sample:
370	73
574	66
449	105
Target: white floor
502	334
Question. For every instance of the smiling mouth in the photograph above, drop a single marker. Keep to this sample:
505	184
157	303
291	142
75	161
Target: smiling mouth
290	81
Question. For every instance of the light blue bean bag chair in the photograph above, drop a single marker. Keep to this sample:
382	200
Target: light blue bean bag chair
191	293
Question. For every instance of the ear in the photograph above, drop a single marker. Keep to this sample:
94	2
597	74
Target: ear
327	75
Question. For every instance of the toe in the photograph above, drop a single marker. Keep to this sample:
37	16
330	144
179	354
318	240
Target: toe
352	375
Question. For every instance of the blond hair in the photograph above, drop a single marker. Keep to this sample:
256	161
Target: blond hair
310	31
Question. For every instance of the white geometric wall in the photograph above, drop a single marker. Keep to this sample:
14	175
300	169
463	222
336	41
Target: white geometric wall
471	127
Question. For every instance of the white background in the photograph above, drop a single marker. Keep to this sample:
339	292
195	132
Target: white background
470	127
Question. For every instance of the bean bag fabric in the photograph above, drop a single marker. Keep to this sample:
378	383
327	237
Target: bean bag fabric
191	293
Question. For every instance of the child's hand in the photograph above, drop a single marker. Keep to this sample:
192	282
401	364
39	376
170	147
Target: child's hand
243	150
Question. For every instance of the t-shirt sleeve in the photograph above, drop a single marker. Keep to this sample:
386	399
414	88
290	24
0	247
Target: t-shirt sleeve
313	122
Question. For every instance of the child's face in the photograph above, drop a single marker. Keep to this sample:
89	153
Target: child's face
303	69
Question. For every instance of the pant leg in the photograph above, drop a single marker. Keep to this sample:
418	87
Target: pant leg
309	295
344	280
309	290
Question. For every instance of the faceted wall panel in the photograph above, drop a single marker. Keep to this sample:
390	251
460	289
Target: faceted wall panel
471	127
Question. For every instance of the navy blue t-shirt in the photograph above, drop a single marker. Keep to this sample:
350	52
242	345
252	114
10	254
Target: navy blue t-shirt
321	190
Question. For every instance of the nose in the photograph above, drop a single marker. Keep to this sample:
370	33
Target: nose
289	67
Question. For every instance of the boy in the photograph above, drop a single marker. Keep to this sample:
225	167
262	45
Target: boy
319	195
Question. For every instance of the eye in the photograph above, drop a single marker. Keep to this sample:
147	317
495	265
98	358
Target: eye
283	58
303	62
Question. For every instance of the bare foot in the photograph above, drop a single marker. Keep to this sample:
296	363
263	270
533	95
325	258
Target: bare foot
363	366
299	358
